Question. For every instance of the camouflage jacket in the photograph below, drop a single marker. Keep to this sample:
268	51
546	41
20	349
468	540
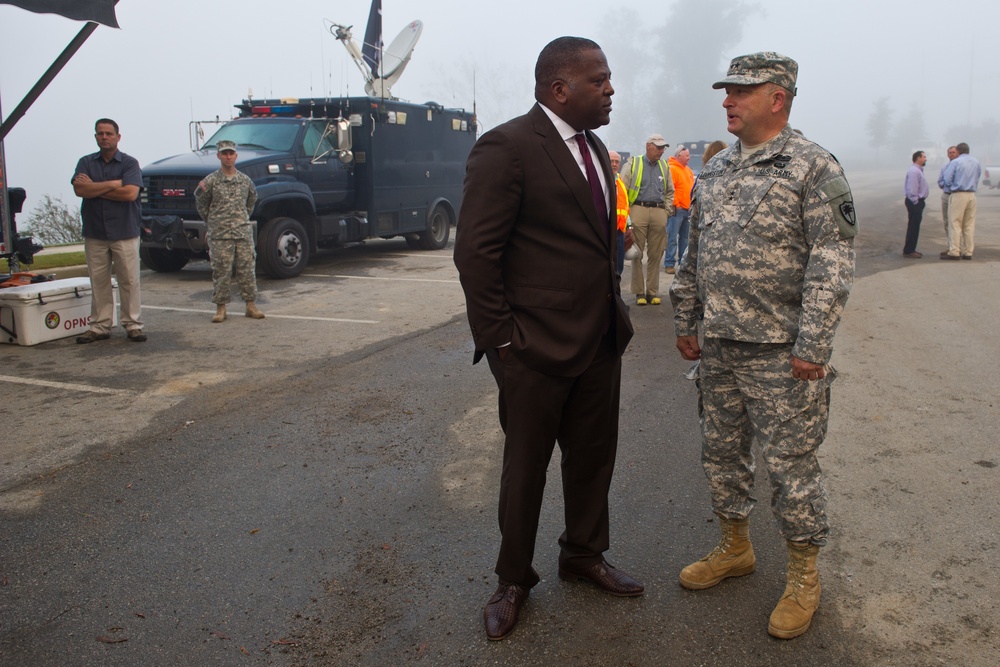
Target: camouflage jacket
225	204
771	252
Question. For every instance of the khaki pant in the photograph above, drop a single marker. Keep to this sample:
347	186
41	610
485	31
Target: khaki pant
649	230
121	258
962	216
944	216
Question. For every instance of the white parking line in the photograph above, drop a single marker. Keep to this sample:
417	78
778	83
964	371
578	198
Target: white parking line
67	385
269	316
402	280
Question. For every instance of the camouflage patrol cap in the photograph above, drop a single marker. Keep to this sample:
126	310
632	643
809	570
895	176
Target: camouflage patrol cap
761	67
225	145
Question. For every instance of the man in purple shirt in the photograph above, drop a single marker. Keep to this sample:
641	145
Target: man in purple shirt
916	190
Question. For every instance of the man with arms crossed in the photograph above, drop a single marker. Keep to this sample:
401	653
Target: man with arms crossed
109	182
536	257
767	275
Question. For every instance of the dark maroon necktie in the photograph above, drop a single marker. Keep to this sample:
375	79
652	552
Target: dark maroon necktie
596	191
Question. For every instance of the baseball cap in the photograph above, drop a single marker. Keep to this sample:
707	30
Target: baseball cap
761	67
225	145
657	140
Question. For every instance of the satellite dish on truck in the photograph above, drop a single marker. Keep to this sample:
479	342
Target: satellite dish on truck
393	59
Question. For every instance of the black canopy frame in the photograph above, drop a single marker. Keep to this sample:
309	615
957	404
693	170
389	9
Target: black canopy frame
94	12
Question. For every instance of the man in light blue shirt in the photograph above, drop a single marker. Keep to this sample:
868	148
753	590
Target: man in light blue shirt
961	179
916	190
952	154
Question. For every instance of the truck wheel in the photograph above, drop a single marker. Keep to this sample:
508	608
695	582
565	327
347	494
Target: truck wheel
283	248
162	260
438	229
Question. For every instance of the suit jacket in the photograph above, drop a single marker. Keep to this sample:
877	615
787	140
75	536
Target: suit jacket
536	260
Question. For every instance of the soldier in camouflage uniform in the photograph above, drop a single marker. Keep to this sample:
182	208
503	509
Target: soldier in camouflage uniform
767	275
225	200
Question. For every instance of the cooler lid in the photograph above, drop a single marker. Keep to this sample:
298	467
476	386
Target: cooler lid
46	290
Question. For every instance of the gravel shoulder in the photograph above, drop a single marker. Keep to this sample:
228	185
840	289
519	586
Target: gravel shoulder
912	450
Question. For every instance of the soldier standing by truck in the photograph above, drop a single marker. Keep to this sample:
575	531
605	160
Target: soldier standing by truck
225	200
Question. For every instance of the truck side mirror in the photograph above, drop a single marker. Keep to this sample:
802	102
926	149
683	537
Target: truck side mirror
344	140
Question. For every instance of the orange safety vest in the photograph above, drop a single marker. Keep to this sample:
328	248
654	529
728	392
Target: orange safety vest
683	182
622	207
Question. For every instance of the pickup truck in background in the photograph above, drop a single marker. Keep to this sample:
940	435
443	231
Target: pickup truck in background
328	172
991	177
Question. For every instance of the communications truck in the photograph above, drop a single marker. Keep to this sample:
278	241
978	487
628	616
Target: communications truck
328	172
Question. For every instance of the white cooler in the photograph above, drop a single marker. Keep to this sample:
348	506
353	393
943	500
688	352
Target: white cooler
33	314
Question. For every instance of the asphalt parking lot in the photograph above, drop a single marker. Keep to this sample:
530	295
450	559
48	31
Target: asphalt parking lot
346	300
319	487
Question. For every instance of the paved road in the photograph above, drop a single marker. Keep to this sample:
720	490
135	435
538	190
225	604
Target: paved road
319	487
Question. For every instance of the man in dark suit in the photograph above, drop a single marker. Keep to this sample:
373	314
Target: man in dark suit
536	253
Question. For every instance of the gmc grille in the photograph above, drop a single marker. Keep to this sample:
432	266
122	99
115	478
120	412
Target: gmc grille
169	193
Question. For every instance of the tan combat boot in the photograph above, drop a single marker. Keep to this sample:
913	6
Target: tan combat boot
253	312
795	610
220	314
732	557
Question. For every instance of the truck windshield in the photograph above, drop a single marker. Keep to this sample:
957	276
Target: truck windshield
258	134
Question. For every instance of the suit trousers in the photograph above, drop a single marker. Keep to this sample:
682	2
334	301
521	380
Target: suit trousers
649	229
121	258
962	216
537	411
914	213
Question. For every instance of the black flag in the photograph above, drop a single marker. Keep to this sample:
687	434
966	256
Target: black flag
100	11
371	49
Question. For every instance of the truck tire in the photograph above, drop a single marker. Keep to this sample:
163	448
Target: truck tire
438	229
283	248
162	260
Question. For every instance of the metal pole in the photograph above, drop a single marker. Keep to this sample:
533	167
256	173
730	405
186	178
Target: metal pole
47	78
6	234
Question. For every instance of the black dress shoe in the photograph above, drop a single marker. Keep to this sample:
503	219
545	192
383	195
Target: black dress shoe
500	614
606	577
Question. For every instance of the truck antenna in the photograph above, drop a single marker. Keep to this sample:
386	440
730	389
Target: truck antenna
393	59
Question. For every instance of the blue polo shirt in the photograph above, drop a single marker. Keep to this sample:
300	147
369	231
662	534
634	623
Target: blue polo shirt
104	219
962	174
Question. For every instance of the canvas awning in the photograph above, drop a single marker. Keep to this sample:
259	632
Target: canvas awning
99	11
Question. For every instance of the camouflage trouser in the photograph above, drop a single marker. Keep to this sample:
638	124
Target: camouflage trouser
233	257
746	391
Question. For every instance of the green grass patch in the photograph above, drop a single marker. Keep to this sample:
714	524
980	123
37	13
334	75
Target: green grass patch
56	260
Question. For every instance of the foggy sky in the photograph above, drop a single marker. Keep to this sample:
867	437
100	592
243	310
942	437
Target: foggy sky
172	62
